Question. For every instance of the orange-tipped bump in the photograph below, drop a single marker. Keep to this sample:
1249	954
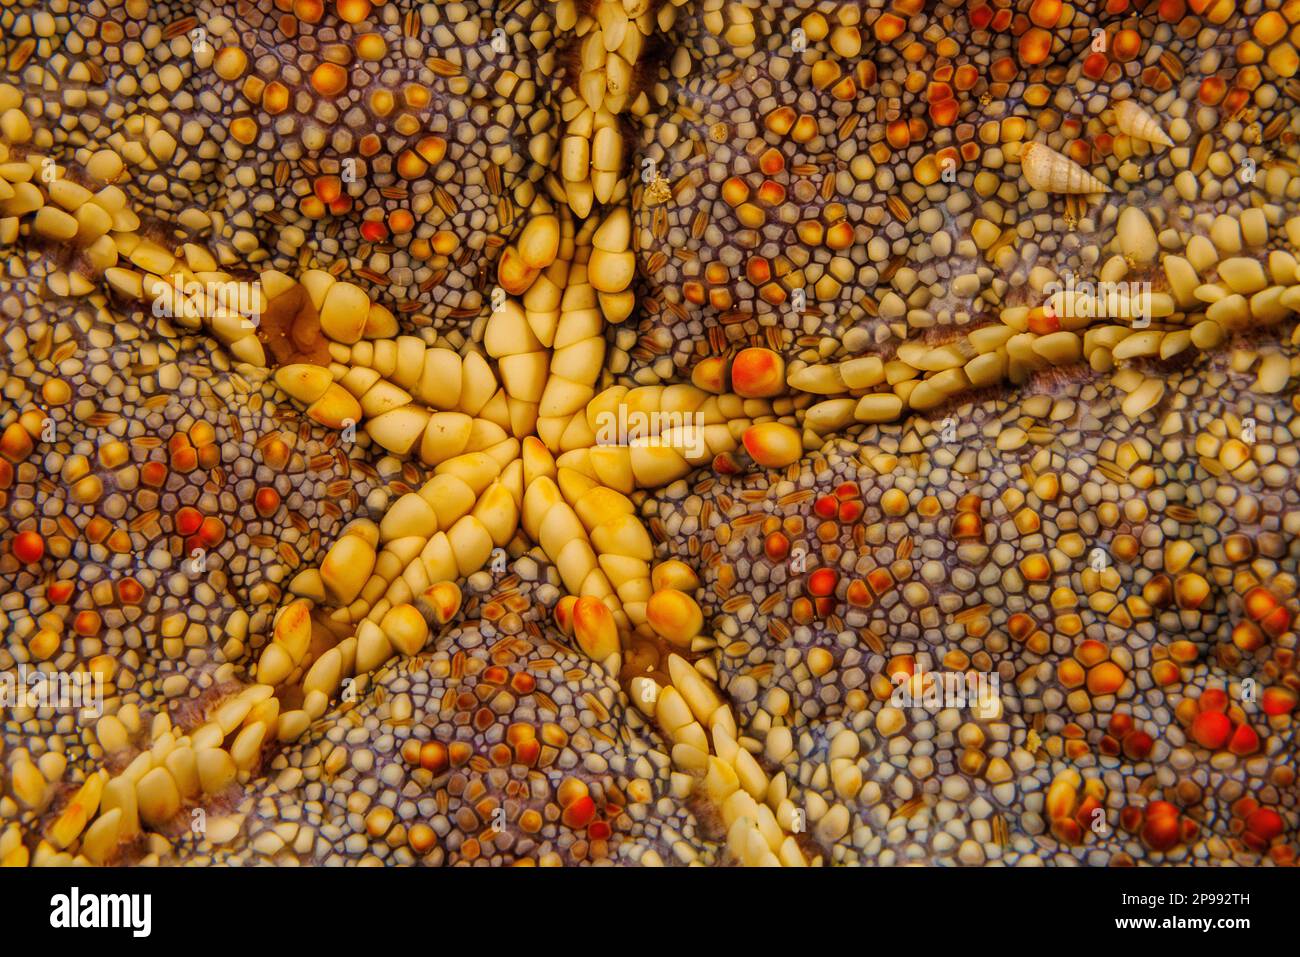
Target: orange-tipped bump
772	444
674	616
594	628
444	598
758	373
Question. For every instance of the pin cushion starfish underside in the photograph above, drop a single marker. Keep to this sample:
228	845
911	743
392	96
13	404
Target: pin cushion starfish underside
649	432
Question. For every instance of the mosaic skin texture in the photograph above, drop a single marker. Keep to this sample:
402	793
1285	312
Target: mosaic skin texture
957	342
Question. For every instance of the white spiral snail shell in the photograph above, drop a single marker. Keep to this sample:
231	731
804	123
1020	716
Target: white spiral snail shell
1049	171
1139	124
